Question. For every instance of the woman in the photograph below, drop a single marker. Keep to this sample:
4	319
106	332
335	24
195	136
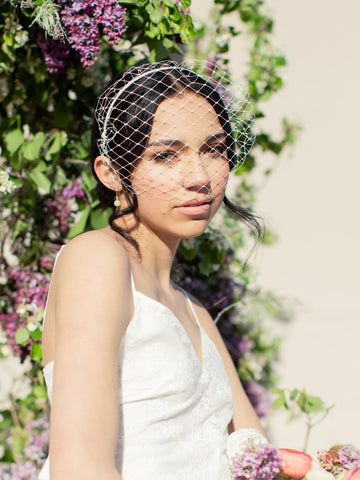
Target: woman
141	384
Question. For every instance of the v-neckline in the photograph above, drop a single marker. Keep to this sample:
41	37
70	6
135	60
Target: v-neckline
200	361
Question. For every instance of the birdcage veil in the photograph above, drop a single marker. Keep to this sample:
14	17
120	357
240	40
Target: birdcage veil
174	123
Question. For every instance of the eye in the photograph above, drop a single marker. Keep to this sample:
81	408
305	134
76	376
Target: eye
165	156
217	150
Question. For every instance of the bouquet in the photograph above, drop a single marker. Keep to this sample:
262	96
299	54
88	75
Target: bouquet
253	458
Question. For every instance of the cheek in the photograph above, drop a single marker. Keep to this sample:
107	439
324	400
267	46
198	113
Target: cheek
158	182
155	184
219	179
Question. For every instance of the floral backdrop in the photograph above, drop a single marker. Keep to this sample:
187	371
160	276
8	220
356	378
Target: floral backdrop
55	58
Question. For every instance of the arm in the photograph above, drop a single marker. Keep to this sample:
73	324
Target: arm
92	309
244	413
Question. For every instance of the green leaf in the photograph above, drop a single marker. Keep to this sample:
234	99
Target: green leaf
36	351
280	402
41	181
31	150
99	218
21	226
8	39
294	393
41	167
89	180
154	12
80	224
39	391
313	404
18	444
36	334
277	390
189	254
55	143
22	336
204	268
13	140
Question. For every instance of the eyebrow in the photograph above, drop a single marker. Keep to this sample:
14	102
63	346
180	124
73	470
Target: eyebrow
167	142
179	143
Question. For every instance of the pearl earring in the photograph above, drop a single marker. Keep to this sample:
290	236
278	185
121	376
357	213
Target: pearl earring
117	200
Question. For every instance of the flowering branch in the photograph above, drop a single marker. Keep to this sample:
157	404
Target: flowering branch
310	424
229	307
48	18
298	402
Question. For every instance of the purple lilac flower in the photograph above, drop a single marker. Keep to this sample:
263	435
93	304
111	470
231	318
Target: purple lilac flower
258	397
74	190
54	52
9	323
30	286
245	345
27	287
46	263
83	21
349	457
63	207
237	345
36	447
19	471
258	462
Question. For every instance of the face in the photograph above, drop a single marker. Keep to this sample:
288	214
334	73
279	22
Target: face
181	179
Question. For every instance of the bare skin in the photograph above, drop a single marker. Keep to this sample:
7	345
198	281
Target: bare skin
90	303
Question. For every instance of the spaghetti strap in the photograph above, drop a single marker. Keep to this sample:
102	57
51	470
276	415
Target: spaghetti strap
46	304
192	309
132	281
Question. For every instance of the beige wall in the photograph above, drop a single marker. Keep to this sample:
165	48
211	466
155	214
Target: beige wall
313	201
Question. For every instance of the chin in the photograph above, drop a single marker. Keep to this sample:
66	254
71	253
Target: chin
195	229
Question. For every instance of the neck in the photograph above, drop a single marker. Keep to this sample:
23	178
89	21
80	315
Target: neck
157	254
156	257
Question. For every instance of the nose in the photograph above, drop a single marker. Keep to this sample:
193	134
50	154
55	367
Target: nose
196	176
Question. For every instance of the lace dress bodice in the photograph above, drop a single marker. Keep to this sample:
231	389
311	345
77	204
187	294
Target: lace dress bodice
174	411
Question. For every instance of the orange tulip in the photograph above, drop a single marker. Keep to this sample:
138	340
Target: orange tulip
296	464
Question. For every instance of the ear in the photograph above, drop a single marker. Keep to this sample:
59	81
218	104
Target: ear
107	174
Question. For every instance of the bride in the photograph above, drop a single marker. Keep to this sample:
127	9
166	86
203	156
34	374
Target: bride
140	382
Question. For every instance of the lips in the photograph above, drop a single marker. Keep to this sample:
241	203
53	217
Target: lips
195	206
195	202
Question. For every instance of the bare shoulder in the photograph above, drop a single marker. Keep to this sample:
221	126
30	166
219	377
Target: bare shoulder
94	254
93	270
90	296
92	246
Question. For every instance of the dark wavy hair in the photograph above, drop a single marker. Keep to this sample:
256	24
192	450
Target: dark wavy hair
130	122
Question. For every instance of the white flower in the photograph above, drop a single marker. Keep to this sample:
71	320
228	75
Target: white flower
6	185
318	473
5	350
11	259
238	441
21	310
31	327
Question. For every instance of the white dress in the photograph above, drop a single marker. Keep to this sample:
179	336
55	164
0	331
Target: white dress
174	411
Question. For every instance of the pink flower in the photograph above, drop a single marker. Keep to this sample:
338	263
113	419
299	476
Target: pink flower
296	464
352	474
328	461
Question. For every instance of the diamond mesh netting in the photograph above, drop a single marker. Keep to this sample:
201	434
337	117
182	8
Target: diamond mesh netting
167	128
